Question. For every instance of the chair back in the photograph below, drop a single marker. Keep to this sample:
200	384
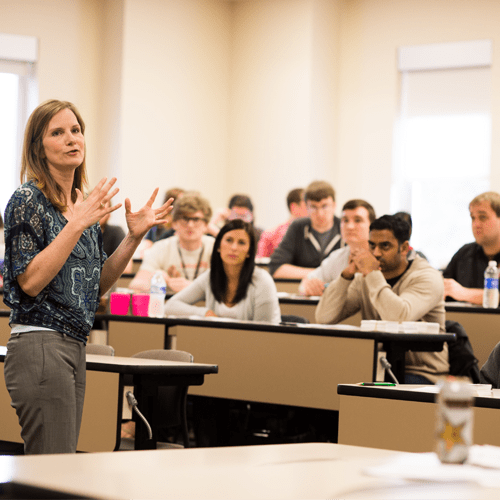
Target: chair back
166	355
490	371
292	318
104	350
172	401
460	353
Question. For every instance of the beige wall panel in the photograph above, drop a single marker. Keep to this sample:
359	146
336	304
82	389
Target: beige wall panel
299	370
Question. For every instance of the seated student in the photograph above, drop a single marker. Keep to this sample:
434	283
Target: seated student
269	240
357	215
308	240
490	371
384	285
464	275
165	230
183	256
233	287
407	217
112	236
240	206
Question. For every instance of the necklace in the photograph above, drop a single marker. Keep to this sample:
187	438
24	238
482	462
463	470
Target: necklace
184	271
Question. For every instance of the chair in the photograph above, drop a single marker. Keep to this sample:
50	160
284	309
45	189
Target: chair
172	400
104	350
291	318
490	371
460	353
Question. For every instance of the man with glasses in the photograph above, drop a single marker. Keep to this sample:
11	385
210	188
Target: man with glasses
183	256
308	240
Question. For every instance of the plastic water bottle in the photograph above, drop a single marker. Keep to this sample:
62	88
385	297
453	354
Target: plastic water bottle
157	292
490	292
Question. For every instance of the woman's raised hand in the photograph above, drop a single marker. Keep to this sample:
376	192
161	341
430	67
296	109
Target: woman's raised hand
92	209
139	223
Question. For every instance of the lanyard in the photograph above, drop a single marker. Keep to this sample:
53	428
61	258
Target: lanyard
184	271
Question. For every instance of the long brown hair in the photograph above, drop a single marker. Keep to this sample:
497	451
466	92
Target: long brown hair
34	165
218	278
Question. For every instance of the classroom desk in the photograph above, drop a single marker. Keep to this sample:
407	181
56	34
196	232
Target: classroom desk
403	418
290	365
287	285
482	325
290	471
102	411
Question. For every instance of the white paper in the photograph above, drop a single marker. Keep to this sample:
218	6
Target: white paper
427	467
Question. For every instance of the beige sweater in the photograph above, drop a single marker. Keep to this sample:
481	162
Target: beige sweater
417	296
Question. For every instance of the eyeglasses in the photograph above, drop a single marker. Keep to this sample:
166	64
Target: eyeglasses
323	208
197	221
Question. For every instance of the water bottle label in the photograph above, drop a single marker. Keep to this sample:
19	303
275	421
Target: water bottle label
491	283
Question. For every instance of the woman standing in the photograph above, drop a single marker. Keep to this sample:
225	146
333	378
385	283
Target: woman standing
233	287
55	272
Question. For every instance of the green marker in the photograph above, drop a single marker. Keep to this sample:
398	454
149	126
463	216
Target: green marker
384	384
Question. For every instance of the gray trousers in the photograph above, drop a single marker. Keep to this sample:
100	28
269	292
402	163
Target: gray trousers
45	376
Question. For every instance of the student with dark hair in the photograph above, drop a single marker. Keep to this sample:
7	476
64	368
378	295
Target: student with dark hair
240	206
384	285
407	217
233	287
269	240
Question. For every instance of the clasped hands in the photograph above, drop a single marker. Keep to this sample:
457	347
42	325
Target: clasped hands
361	260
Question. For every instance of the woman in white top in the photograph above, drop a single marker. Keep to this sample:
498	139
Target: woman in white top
233	287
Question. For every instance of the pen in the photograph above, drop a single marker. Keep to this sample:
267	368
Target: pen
384	384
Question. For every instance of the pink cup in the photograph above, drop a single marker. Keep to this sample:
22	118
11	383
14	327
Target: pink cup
140	304
119	303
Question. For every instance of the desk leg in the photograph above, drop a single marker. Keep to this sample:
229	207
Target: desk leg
167	342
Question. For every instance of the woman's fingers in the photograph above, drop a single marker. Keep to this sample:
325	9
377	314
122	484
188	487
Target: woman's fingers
164	209
152	198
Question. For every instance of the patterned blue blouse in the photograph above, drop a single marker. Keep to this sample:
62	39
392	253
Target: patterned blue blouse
69	302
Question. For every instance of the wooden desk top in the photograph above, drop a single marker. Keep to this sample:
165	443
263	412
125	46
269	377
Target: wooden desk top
407	392
291	471
140	366
300	328
469	308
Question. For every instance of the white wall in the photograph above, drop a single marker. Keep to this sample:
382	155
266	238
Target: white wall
68	34
174	103
369	91
282	100
257	96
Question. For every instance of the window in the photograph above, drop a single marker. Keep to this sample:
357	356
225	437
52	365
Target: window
18	97
442	150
